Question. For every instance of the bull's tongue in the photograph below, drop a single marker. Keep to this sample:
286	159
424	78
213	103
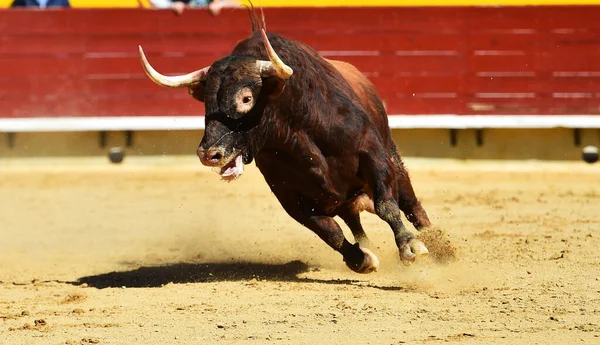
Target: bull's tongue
232	169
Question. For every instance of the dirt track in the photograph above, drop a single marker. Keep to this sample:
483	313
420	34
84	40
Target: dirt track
197	261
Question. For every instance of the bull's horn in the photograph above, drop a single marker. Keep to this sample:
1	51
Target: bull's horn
174	81
275	67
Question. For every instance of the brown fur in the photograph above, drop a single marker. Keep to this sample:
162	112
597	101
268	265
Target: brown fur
321	139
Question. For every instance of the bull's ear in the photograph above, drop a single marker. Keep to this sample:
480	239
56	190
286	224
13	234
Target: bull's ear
273	86
197	91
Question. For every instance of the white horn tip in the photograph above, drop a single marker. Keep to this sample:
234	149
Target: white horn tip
284	71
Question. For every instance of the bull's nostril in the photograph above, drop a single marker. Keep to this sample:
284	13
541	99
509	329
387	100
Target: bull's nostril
216	157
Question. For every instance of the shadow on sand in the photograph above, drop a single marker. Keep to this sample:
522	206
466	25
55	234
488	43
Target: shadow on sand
157	276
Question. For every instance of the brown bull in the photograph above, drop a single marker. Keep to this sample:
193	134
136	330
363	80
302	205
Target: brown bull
318	132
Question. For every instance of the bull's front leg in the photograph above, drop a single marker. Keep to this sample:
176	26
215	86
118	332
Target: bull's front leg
357	258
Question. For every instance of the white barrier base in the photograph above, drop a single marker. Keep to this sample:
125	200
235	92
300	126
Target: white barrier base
148	123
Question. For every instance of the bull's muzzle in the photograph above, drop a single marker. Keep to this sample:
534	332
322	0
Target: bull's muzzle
210	157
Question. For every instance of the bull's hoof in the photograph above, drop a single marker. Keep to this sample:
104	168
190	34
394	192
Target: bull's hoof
367	263
410	251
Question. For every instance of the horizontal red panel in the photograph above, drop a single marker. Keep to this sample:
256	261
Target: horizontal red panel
197	43
150	107
512	62
86	68
65	45
418	84
363	19
542	104
13	67
122	89
104	90
389	65
573	106
117	21
47	45
131	66
396	104
506	85
39	107
83	108
565	39
127	21
531	17
501	41
580	61
545	85
50	90
508	105
378	41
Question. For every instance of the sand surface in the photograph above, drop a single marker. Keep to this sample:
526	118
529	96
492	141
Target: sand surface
159	251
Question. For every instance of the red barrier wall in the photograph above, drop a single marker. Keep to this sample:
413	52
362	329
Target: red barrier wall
463	60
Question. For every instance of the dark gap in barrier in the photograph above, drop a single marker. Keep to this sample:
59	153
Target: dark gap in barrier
577	136
102	139
129	138
453	137
479	136
10	137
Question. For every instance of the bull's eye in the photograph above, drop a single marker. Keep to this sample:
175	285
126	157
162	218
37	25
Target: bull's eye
244	100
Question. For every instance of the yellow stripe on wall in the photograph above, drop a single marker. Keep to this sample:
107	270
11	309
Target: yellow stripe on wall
405	3
337	3
92	3
105	3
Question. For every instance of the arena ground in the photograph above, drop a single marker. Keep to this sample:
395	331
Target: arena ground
159	251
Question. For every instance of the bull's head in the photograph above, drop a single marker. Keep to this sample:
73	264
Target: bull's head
235	91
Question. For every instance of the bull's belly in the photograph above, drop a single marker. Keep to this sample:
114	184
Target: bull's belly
310	186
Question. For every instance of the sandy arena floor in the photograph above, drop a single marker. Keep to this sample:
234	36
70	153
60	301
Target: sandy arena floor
159	251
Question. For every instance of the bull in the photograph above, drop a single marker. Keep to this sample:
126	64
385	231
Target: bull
317	131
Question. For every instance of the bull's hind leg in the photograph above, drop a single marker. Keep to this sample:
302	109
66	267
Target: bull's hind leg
380	176
358	259
407	200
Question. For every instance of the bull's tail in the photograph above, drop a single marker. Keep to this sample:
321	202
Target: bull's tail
257	23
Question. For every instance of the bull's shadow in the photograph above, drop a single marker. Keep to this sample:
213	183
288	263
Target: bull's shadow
181	273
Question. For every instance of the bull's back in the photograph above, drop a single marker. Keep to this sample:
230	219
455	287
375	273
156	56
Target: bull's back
369	97
366	92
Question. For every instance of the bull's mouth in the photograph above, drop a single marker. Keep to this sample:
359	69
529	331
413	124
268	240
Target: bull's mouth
232	169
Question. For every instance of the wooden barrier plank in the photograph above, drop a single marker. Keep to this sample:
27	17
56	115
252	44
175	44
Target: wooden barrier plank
536	84
130	67
378	41
41	45
352	20
28	65
407	104
418	84
192	44
502	62
405	65
83	107
511	41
